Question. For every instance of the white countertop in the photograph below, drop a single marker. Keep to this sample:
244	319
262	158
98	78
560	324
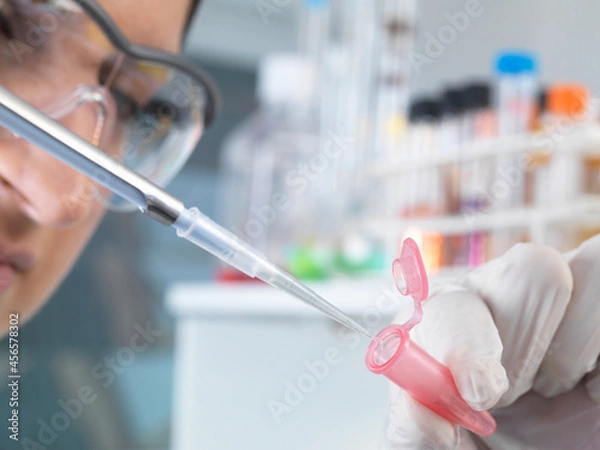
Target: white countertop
247	299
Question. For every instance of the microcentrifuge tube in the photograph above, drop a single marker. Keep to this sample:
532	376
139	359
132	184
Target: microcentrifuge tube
393	354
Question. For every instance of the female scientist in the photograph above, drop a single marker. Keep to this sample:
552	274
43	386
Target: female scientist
521	334
77	65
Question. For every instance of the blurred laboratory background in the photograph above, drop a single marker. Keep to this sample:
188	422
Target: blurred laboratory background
348	125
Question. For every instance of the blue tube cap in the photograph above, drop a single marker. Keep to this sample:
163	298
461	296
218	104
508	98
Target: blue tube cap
511	63
315	3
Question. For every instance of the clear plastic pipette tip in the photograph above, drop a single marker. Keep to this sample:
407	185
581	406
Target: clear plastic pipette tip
349	323
200	230
286	282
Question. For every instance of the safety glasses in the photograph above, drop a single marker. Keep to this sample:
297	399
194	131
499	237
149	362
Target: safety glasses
145	107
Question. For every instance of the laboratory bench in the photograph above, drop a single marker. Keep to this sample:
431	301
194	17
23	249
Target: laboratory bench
258	369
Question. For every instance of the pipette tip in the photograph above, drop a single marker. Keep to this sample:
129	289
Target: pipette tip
356	327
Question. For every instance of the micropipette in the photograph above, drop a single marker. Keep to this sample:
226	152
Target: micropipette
26	121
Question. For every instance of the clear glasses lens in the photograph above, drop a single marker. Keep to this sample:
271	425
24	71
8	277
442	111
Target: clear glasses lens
148	115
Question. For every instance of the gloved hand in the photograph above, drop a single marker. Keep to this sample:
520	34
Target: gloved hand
521	335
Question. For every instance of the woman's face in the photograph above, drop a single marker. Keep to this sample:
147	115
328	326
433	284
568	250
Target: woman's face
47	210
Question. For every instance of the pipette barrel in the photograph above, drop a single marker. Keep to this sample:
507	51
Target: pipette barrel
428	381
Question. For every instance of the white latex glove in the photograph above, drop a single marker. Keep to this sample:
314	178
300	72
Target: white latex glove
521	335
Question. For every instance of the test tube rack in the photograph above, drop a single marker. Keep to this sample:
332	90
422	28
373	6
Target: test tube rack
584	211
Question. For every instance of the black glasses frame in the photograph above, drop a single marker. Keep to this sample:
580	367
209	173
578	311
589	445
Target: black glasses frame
103	20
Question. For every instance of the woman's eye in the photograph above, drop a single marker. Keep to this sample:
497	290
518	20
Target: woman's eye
5	28
126	106
163	113
7	23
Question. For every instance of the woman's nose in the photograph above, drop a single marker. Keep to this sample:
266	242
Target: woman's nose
45	189
49	191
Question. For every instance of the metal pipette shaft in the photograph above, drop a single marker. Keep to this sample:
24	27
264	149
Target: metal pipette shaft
26	121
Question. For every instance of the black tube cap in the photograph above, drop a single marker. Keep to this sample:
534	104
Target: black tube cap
453	102
424	109
478	95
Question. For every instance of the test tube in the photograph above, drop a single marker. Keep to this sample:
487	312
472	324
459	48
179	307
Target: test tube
538	158
429	382
480	124
516	95
516	91
567	107
313	35
591	173
560	180
424	199
452	135
423	139
393	44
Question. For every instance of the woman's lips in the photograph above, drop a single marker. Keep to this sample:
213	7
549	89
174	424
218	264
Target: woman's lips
7	277
10	265
19	261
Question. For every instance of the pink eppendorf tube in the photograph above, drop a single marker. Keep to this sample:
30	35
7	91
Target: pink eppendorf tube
428	381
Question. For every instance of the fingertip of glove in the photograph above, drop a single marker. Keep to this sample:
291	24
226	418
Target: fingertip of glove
413	426
482	383
547	262
592	386
550	386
